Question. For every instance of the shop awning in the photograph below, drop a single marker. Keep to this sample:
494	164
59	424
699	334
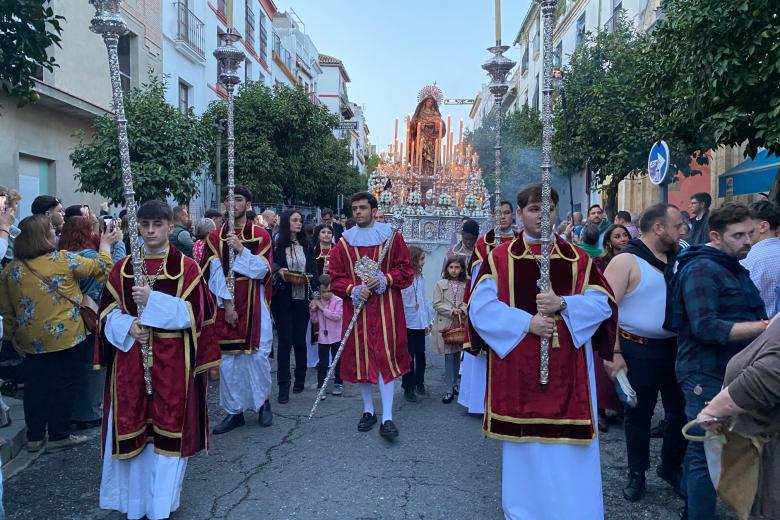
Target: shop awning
751	176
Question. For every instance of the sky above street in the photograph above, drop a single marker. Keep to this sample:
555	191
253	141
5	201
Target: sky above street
391	49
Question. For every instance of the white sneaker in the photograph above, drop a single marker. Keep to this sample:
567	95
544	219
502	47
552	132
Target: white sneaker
66	443
323	396
338	389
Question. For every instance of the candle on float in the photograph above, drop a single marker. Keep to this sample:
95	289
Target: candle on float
451	144
449	129
460	137
395	139
229	13
401	154
418	147
408	137
498	22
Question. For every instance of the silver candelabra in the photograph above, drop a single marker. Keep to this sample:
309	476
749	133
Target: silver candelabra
548	10
230	57
108	23
498	67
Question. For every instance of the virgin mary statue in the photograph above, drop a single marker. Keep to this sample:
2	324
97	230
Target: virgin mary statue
426	130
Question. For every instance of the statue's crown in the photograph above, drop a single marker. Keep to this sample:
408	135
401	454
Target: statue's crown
431	91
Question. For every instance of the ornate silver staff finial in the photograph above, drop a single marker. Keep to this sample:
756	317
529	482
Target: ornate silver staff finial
498	68
230	57
108	23
548	11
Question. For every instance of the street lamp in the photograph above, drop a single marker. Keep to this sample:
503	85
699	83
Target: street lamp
108	22
548	10
230	57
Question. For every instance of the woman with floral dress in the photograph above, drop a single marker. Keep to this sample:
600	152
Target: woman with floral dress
36	290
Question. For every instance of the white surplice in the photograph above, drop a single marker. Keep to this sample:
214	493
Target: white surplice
148	484
473	376
245	379
546	481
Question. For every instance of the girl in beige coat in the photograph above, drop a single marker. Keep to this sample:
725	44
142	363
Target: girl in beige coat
450	310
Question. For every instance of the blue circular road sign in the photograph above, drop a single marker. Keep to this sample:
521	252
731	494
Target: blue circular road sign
658	162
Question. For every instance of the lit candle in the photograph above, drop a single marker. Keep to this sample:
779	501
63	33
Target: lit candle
401	155
498	22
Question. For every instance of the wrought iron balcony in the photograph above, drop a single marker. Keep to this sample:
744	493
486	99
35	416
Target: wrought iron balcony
190	30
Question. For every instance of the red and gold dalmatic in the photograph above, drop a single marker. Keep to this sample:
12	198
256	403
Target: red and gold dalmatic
485	244
378	341
245	337
517	408
175	418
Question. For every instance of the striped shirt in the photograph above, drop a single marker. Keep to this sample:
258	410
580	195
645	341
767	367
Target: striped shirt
762	262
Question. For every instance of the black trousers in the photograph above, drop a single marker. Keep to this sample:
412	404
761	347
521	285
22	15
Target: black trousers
49	392
650	370
291	327
416	376
325	351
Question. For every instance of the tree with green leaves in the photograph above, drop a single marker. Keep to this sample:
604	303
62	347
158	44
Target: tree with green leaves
285	147
521	140
28	29
604	119
716	71
168	150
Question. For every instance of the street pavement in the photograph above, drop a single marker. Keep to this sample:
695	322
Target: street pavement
439	468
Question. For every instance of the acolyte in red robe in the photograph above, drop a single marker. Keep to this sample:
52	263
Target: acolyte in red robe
517	407
245	337
175	419
485	244
378	341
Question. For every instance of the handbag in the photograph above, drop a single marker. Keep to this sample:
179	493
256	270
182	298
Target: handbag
733	461
454	335
87	307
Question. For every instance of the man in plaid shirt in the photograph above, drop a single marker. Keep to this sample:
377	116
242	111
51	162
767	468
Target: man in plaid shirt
716	311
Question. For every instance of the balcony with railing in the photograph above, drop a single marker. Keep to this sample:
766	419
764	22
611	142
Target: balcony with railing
283	57
190	33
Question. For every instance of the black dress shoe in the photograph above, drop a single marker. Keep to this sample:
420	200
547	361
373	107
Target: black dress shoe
410	396
602	423
230	422
367	421
672	476
421	390
297	389
265	417
388	430
284	393
635	489
448	397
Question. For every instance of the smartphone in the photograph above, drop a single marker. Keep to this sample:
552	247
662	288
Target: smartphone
109	223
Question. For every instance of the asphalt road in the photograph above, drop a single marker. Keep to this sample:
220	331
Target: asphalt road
439	468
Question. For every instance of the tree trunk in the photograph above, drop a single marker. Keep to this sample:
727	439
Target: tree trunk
610	204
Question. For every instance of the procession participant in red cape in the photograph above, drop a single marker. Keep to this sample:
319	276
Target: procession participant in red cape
375	352
147	439
474	369
242	327
550	452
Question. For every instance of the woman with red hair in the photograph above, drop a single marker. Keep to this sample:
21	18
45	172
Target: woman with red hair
78	236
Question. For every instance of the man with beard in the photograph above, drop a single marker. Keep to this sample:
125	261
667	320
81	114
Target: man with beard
716	311
375	351
243	323
647	352
551	464
50	207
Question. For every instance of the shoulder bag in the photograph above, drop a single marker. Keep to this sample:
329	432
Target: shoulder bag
87	307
